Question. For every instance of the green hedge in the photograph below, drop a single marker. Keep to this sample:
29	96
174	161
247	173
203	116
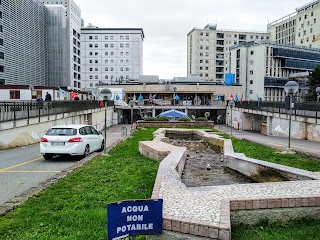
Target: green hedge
158	119
184	119
201	119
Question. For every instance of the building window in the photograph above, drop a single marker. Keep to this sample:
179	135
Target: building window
251	62
251	91
90	69
251	53
0	15
90	37
310	30
112	45
251	81
121	53
111	53
96	37
106	53
127	61
127	69
121	61
121	69
14	94
90	76
106	37
1	55
111	69
96	53
96	69
251	72
90	53
121	45
106	61
96	45
96	77
106	69
106	45
106	77
314	20
90	61
127	45
121	38
111	37
91	84
1	42
95	61
127	37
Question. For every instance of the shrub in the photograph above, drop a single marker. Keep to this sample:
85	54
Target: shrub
201	119
184	119
154	119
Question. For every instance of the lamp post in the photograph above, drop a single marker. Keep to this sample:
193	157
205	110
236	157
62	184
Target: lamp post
252	119
231	105
318	93
290	88
105	95
174	103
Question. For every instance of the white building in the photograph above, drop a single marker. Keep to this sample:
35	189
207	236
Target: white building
299	28
264	68
110	55
208	50
73	26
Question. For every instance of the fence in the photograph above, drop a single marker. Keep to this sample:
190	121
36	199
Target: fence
12	111
305	109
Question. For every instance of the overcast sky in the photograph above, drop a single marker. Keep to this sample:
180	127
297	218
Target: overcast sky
166	23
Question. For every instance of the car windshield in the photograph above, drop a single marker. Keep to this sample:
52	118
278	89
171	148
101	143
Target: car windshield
61	132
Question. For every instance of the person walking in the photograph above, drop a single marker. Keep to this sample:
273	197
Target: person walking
48	97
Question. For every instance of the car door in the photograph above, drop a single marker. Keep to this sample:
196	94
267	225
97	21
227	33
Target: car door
96	138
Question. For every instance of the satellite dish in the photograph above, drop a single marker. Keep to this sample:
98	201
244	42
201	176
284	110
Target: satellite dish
193	117
207	114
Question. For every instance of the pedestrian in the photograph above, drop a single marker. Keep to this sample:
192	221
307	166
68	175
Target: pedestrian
48	97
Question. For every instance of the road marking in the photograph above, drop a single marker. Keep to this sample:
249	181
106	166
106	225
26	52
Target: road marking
21	164
33	171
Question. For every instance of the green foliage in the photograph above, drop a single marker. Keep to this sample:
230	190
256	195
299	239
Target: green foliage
313	82
158	119
184	119
264	153
201	119
75	207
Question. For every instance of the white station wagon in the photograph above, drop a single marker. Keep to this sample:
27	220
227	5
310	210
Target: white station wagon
73	139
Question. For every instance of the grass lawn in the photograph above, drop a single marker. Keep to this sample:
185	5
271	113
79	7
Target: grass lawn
75	207
305	229
258	151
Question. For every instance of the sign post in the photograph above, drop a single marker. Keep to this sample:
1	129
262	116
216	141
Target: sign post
131	218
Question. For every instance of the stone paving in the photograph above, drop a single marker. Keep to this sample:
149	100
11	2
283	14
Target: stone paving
205	211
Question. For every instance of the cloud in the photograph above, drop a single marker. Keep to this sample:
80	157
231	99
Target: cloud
166	23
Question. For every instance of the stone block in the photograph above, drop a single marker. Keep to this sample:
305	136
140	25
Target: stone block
270	203
317	201
292	202
312	201
284	202
167	222
234	205
263	203
213	233
224	234
277	203
176	224
255	204
242	204
304	202
203	230
298	202
249	204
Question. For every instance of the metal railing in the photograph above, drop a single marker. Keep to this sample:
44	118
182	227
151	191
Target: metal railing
305	109
12	111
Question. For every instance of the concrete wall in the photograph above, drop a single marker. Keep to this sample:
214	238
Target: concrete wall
277	124
22	133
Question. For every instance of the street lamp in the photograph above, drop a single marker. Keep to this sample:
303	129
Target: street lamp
318	93
174	103
252	119
105	94
290	88
231	105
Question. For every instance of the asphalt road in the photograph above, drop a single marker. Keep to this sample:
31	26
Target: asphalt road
24	167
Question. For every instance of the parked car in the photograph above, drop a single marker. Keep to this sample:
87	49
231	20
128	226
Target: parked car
71	139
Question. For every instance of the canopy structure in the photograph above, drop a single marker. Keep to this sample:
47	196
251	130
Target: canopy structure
173	114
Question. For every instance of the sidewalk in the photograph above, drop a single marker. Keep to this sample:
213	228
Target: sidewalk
280	143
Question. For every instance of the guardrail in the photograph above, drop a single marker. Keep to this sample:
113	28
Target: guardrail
12	111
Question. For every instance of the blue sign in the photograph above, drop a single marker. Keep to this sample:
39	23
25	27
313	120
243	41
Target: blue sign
137	217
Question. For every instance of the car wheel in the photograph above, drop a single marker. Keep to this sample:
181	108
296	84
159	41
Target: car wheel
102	147
86	151
47	156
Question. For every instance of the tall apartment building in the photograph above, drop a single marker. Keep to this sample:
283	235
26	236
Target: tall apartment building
58	71
299	28
73	52
208	50
23	45
111	54
264	68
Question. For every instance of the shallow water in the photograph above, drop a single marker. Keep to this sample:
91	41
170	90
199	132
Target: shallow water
196	173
